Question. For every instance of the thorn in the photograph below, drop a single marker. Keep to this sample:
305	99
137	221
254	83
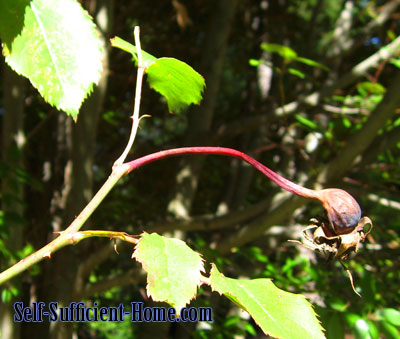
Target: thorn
47	255
115	246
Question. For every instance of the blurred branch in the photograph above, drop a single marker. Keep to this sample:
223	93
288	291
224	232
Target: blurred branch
99	256
384	201
133	276
251	123
284	206
357	144
211	223
361	140
382	143
385	12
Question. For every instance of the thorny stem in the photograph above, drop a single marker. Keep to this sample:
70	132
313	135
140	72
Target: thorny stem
118	171
78	236
65	238
135	116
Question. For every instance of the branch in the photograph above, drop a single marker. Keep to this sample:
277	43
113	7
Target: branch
385	13
283	207
382	143
66	238
212	223
361	140
128	278
118	170
135	116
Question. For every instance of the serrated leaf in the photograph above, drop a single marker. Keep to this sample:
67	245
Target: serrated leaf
179	83
173	269
278	313
148	59
284	51
53	43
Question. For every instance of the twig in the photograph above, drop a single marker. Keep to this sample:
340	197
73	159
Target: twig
119	170
135	116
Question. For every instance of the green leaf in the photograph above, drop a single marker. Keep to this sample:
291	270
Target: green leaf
390	331
296	72
173	269
311	63
255	62
391	315
148	59
278	313
361	329
284	51
306	122
373	329
395	62
367	87
55	44
179	83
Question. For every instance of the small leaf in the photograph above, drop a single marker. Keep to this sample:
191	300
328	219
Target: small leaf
173	269
306	122
284	51
311	63
179	83
296	72
148	59
278	313
55	45
255	62
395	62
367	87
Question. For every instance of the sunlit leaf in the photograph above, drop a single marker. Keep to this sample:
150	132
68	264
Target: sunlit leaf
278	313
284	51
367	87
296	72
55	44
311	63
173	269
255	62
391	315
306	122
179	83
395	62
148	59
